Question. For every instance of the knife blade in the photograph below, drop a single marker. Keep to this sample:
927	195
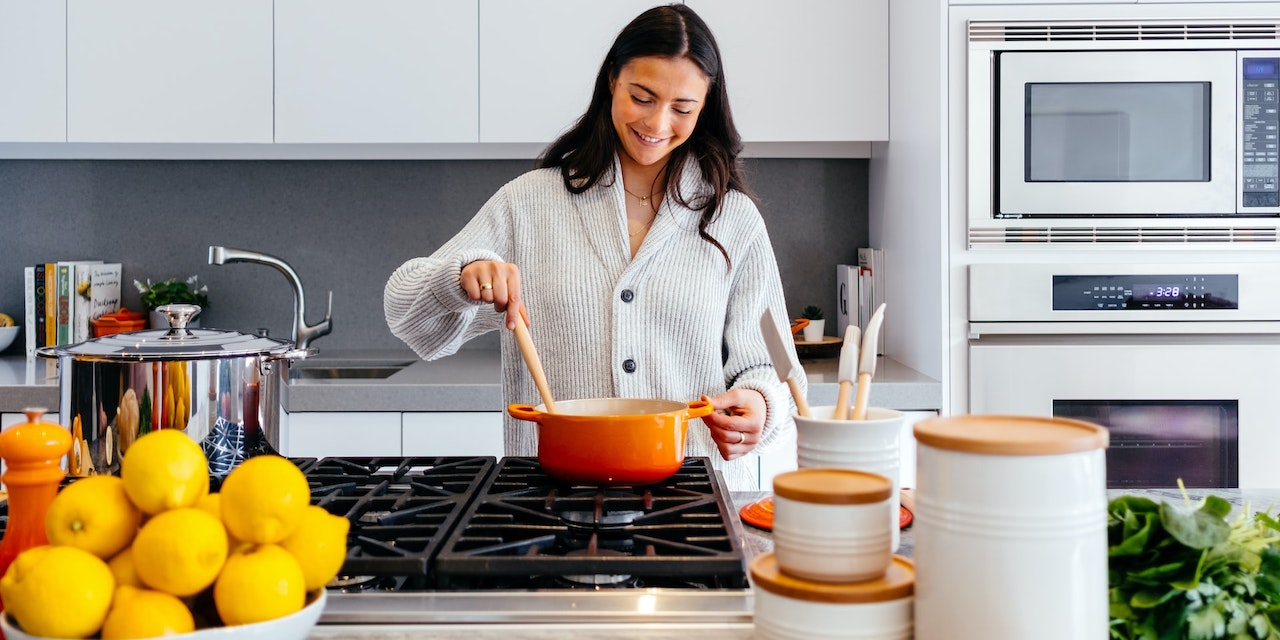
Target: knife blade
785	366
867	362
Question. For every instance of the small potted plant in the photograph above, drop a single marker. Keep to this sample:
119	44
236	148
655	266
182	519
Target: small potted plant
817	326
172	291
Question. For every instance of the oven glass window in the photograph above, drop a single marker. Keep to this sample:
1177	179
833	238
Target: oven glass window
1117	132
1156	442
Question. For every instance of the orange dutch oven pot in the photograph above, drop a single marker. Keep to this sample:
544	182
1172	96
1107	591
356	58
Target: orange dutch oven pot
612	441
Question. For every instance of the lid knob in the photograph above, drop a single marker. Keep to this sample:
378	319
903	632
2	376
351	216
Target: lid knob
179	315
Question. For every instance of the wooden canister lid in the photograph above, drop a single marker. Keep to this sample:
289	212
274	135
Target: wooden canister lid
897	583
1011	435
832	486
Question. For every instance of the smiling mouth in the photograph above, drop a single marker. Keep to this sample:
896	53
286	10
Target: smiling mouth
647	139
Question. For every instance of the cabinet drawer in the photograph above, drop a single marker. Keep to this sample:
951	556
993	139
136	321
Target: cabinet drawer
463	433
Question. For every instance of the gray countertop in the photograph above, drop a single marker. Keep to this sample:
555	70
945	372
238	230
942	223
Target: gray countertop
469	380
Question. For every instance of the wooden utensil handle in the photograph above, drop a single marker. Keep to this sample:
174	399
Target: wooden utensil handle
842	400
864	392
802	406
531	360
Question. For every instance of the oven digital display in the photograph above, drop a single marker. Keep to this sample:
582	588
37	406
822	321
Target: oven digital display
1157	292
1187	292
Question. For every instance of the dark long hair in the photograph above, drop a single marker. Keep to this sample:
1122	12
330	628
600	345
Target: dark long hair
585	153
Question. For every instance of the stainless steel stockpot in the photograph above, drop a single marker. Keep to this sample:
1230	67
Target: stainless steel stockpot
223	388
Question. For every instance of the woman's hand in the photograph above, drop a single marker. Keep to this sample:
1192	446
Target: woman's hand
495	282
736	422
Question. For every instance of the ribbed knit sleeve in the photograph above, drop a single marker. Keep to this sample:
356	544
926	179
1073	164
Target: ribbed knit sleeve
423	301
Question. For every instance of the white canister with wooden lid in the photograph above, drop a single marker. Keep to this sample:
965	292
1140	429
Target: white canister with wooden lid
831	525
1010	528
790	608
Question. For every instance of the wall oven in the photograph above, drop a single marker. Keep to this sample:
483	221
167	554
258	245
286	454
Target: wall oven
1180	362
1150	131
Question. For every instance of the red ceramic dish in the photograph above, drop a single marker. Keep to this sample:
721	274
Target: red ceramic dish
760	514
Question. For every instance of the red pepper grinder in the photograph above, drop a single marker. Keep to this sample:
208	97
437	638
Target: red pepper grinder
33	452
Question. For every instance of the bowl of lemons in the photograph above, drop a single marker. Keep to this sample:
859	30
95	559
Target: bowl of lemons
295	626
8	331
165	557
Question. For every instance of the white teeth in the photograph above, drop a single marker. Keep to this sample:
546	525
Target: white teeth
648	139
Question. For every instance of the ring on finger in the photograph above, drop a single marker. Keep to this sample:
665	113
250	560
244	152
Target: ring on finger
487	285
742	437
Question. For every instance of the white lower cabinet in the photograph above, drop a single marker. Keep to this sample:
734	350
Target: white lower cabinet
317	434
320	434
462	433
782	458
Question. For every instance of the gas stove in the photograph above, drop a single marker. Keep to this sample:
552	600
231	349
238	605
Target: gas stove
476	540
468	540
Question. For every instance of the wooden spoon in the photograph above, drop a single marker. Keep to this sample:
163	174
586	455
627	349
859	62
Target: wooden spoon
531	360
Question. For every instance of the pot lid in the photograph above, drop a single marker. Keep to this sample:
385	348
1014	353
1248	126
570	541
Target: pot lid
175	343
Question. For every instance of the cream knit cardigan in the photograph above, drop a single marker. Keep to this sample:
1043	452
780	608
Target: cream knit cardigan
688	323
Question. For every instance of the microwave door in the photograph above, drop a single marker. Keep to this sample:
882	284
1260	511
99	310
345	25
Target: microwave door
1123	134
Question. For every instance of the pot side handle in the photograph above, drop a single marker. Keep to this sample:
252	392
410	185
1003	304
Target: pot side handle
524	412
699	408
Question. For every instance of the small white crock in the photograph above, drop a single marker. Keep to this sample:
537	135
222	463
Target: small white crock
790	608
831	525
1010	528
873	445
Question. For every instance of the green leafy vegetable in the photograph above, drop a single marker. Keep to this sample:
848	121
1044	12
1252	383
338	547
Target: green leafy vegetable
1183	573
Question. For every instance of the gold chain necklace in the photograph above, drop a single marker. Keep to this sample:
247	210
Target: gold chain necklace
644	200
645	227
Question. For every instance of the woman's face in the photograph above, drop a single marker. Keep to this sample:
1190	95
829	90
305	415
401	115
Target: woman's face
656	103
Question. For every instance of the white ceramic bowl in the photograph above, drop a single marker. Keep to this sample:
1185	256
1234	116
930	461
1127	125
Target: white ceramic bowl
291	627
7	334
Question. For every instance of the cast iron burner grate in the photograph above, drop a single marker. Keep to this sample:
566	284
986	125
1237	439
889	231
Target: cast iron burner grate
399	508
525	529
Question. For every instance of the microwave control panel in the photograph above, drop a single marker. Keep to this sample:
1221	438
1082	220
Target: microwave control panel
1145	292
1259	104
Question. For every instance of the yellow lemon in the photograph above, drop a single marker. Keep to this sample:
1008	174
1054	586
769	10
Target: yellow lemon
180	551
211	503
6	320
58	592
164	469
319	544
260	582
121	565
94	514
264	498
145	613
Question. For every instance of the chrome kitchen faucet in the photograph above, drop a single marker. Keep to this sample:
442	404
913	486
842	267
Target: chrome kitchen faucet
303	333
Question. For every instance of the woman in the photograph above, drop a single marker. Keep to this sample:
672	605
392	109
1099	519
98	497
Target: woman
633	249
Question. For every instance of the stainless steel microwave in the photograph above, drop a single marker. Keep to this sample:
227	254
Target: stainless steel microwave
1113	128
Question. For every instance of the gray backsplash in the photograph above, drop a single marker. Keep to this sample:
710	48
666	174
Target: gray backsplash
344	226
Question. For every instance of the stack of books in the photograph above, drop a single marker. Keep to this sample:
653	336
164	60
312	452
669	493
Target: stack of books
63	299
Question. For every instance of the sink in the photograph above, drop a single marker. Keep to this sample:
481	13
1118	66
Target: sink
336	371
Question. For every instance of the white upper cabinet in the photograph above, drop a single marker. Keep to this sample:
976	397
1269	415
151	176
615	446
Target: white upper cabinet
538	62
169	71
804	70
376	71
33	60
